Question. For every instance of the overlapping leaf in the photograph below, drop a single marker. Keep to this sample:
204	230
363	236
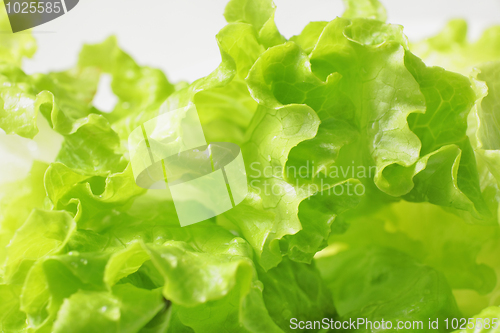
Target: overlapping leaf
339	127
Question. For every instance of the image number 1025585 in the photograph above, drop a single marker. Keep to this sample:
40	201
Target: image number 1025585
25	14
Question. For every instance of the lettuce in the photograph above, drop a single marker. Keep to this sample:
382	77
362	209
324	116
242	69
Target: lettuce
373	183
382	292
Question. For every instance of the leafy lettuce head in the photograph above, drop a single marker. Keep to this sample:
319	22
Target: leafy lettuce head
373	184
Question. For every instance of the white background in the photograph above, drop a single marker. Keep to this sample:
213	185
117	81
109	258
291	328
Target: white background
179	37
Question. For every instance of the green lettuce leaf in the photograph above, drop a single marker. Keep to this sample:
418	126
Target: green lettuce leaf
449	98
127	309
371	9
352	145
432	236
12	319
188	266
17	201
486	321
294	290
14	47
309	36
377	284
256	13
451	50
18	106
488	108
46	232
137	87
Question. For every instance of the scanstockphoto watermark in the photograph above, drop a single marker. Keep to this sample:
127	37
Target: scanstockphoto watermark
327	181
269	187
431	324
356	324
27	14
